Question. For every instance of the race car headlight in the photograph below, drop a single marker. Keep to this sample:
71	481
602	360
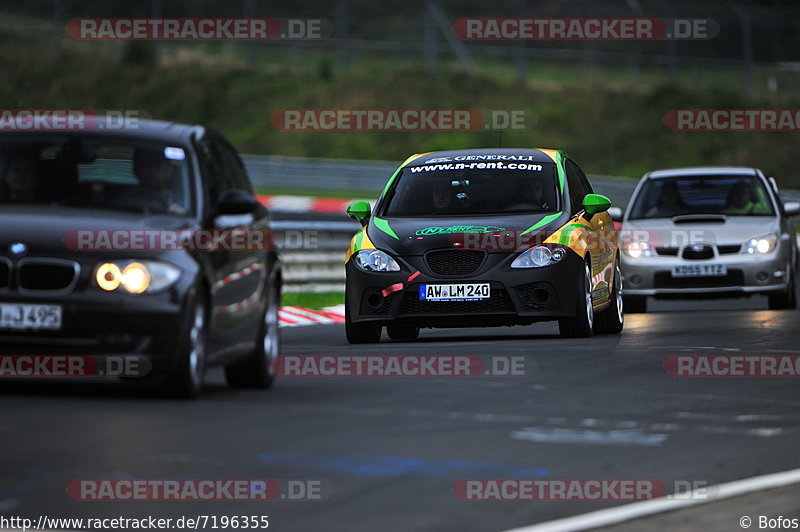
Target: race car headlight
637	250
375	260
760	245
136	277
538	256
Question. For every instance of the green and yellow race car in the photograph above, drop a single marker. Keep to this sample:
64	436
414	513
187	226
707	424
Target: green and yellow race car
483	237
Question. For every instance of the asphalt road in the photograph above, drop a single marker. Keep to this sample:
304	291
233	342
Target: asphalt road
388	450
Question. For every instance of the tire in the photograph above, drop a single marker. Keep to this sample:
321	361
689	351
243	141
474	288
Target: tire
635	304
360	333
612	319
187	380
580	325
402	332
785	300
258	370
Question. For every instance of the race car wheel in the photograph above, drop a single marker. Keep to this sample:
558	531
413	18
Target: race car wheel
635	304
784	300
187	380
257	370
360	333
402	332
611	320
580	326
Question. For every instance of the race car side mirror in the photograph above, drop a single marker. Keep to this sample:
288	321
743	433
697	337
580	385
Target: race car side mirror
791	208
615	213
359	211
594	203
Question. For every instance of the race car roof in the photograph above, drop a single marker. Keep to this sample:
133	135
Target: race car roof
142	129
535	155
702	170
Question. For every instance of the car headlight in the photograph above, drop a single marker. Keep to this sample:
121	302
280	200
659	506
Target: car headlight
637	250
760	245
375	260
538	256
136	276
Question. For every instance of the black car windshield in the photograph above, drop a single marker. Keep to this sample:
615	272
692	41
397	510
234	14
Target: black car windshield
676	196
103	172
429	190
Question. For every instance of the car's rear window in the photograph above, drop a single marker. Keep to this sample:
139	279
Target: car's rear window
676	196
95	172
456	190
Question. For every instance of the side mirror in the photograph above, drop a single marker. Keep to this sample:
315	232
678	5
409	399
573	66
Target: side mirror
616	214
791	208
594	203
235	202
359	211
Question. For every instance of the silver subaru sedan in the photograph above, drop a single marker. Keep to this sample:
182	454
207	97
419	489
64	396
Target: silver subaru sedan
708	232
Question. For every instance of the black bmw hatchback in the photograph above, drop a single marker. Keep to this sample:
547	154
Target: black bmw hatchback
144	241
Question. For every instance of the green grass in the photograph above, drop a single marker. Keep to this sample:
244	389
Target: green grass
312	300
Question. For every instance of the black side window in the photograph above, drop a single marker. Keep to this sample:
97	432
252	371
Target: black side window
578	186
215	176
234	167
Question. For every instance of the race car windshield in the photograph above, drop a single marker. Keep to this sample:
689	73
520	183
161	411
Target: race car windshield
418	191
101	173
728	195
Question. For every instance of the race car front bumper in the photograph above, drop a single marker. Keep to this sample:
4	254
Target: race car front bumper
517	296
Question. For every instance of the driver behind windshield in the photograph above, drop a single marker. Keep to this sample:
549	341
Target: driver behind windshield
670	203
741	200
157	175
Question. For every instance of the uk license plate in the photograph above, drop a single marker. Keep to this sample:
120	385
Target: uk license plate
454	292
700	270
18	316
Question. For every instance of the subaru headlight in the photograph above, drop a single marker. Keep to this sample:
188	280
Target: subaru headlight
136	276
538	256
760	245
375	260
637	250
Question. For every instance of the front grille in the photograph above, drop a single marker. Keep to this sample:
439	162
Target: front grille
5	273
671	252
538	296
47	275
701	252
733	278
497	303
729	249
454	262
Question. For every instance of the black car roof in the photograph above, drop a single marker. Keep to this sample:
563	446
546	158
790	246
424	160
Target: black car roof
144	129
537	156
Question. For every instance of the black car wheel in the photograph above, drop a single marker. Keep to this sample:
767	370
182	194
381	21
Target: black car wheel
187	380
402	332
360	333
580	325
784	300
257	371
612	319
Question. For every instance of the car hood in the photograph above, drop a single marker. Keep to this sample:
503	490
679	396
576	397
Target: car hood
669	232
415	236
49	231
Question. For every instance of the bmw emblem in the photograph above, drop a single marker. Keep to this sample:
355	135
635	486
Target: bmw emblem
18	249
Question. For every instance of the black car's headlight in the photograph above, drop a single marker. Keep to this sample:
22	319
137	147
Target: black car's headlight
136	276
760	245
375	260
538	256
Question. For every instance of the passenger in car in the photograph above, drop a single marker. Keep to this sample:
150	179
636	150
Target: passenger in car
21	181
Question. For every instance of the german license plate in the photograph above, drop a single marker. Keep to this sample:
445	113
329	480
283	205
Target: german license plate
454	292
19	316
700	270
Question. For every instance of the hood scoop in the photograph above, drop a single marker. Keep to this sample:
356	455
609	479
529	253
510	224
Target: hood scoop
699	218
